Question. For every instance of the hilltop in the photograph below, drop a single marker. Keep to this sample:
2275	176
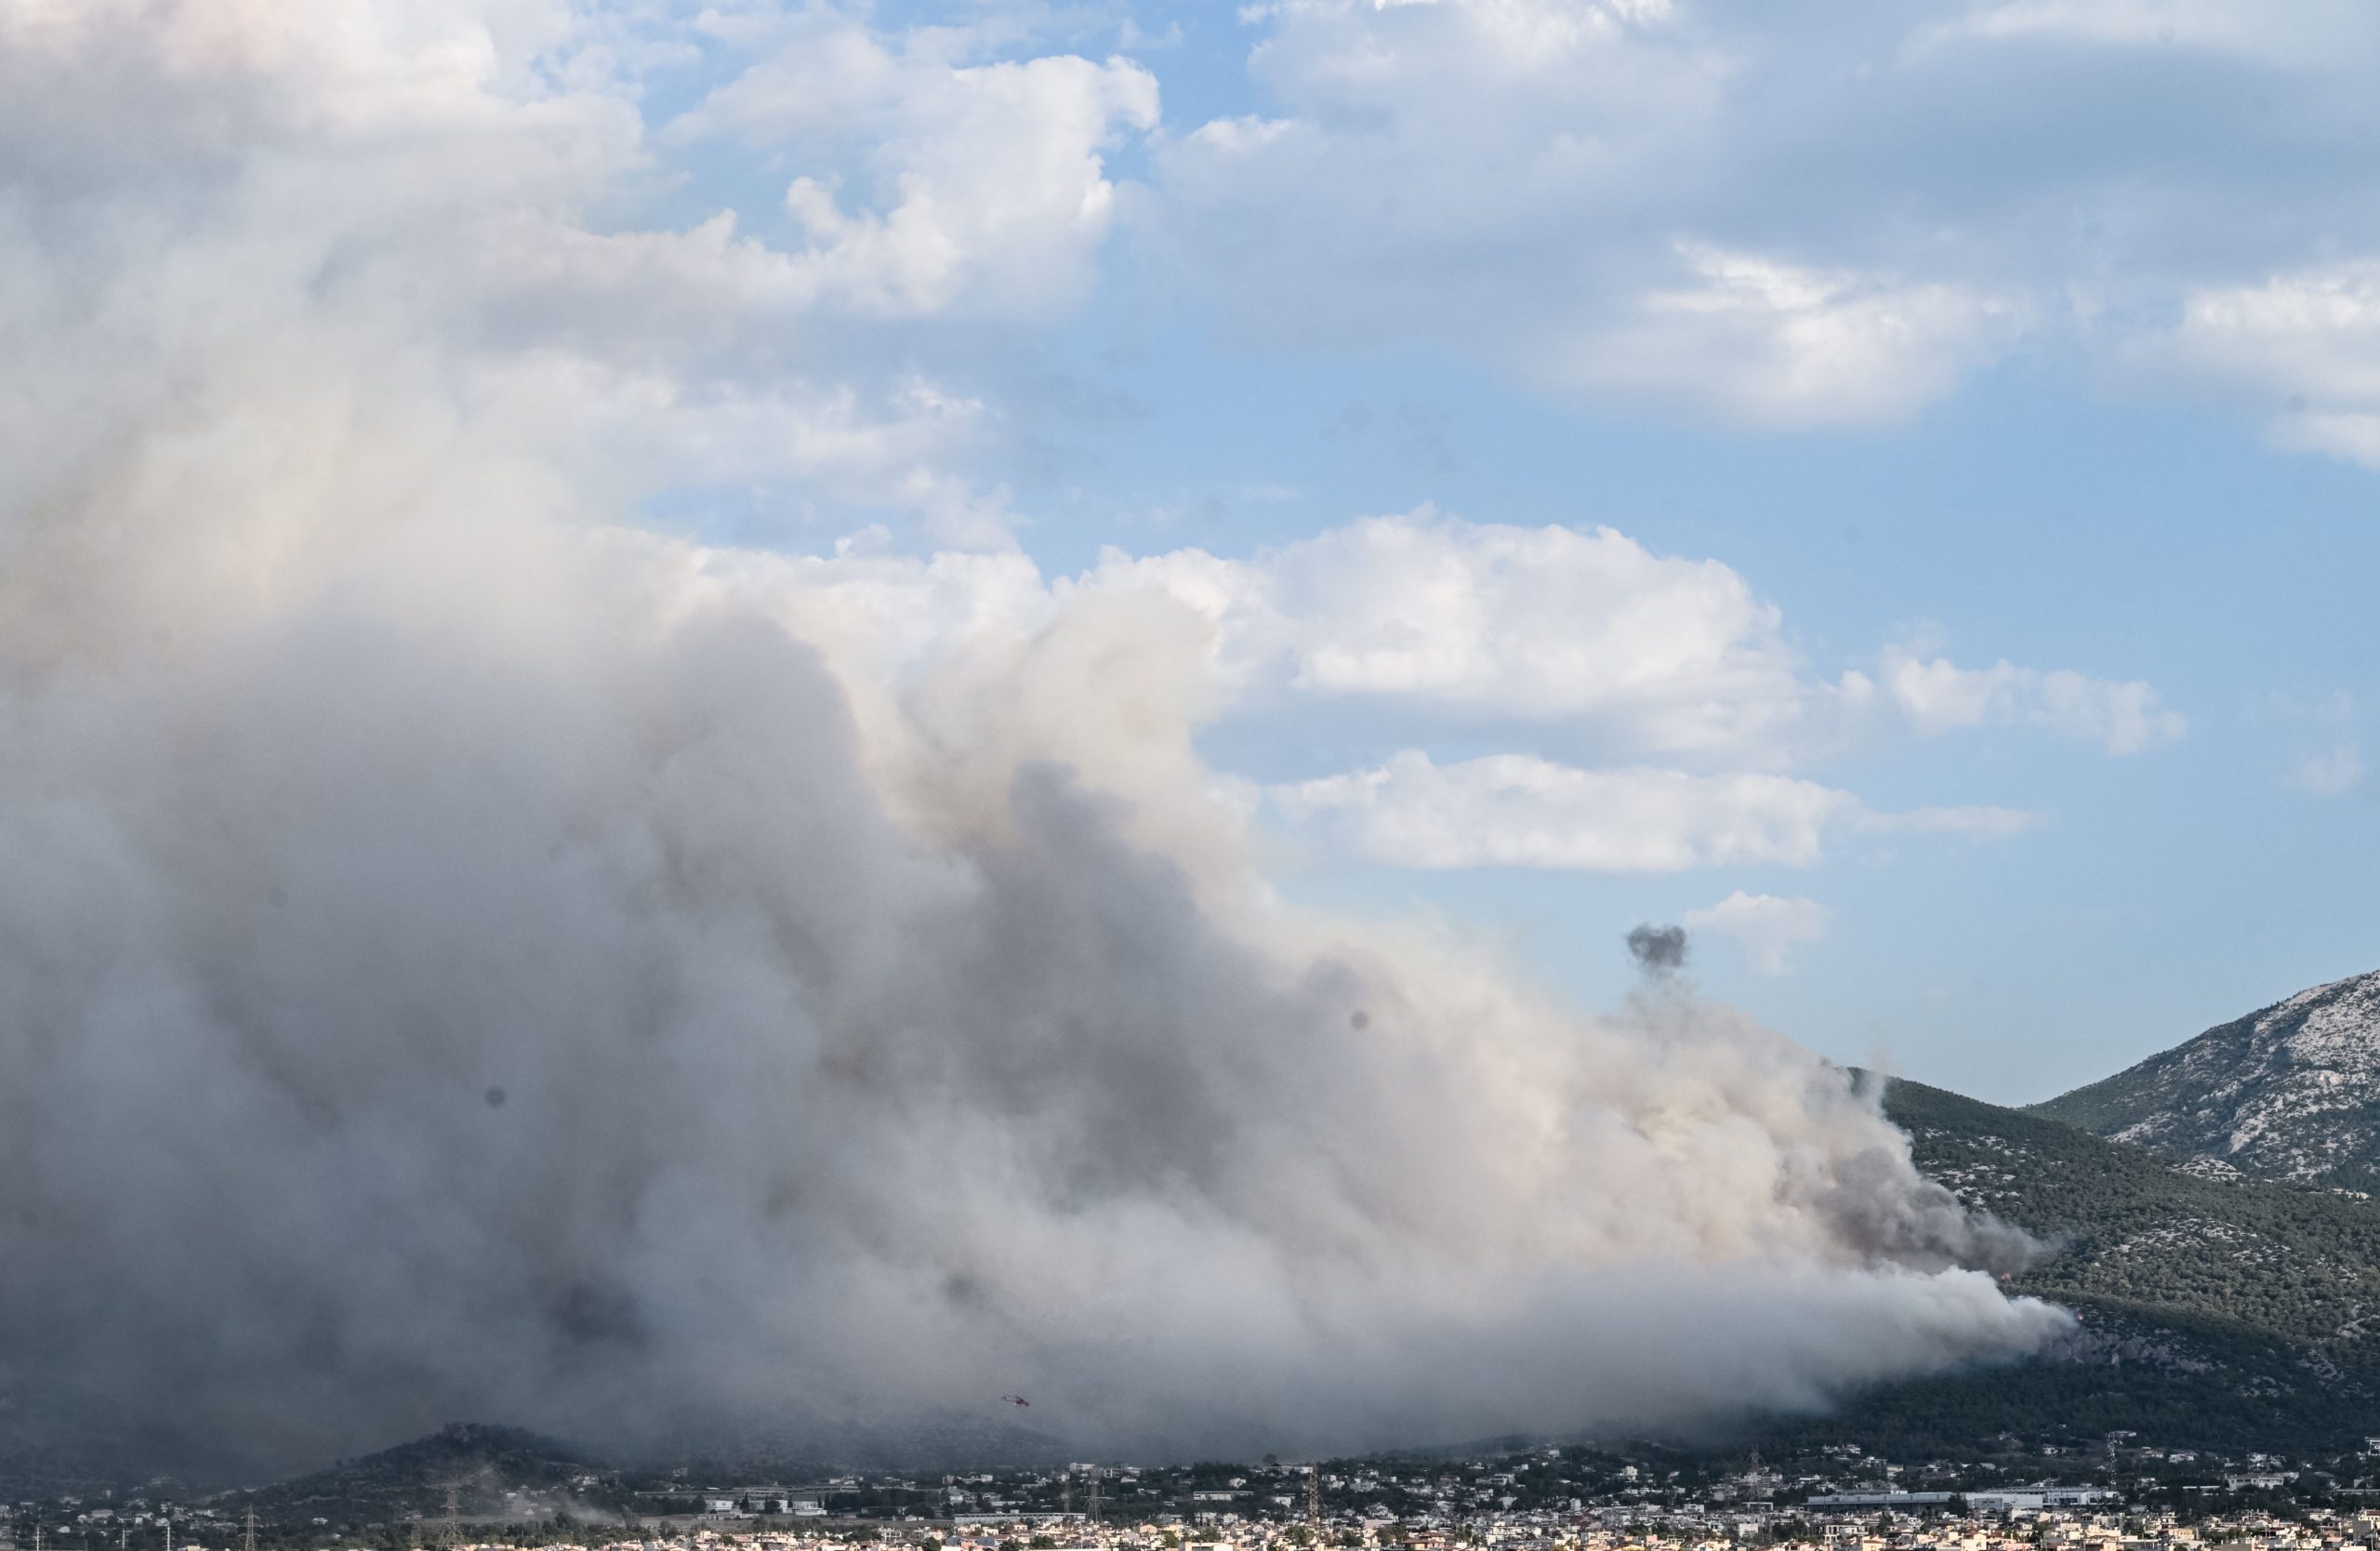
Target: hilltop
494	1472
2290	1092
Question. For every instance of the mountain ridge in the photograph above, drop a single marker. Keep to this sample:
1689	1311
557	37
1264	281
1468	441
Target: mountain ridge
2290	1092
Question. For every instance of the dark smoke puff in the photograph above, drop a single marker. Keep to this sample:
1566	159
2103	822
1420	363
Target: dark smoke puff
1873	1208
1658	950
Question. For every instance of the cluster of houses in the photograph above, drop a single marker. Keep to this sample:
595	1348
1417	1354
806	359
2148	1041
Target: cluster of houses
2063	1519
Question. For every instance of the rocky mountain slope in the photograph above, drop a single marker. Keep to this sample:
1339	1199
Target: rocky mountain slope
2289	1092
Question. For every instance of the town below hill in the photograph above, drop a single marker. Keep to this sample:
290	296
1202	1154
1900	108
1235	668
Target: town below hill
2117	1496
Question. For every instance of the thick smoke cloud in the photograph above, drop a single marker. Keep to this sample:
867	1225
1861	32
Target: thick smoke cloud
466	959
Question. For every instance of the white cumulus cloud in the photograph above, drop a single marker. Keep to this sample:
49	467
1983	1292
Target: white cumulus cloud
986	183
1517	810
1773	342
2298	350
1526	622
2122	717
1661	654
1766	927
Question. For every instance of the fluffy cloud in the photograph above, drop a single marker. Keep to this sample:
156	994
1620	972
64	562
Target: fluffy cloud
1513	810
1520	631
464	182
1531	623
1661	655
989	188
2299	352
1768	341
1717	210
1425	617
1766	927
2122	718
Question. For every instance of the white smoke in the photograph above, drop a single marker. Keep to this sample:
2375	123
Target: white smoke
461	956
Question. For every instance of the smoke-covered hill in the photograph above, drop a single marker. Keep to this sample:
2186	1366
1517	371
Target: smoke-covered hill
2225	1312
2290	1092
494	1472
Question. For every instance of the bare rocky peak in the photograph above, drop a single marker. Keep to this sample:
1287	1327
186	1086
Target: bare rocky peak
2292	1092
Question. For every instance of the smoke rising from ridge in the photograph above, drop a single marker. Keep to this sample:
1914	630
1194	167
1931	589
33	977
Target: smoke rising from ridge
469	957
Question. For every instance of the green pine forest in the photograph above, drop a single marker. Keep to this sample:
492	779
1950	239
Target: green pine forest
2227	1314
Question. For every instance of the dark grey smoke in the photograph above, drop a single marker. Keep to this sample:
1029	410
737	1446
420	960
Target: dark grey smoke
1658	950
458	959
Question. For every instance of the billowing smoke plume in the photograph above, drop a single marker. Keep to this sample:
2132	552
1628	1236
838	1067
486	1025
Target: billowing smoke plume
462	959
1658	950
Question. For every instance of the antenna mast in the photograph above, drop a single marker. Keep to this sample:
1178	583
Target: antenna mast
249	1529
1314	1498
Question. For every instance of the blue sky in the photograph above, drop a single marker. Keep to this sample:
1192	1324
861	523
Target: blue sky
2105	411
2029	515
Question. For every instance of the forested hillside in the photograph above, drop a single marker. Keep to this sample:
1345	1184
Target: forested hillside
2222	1312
